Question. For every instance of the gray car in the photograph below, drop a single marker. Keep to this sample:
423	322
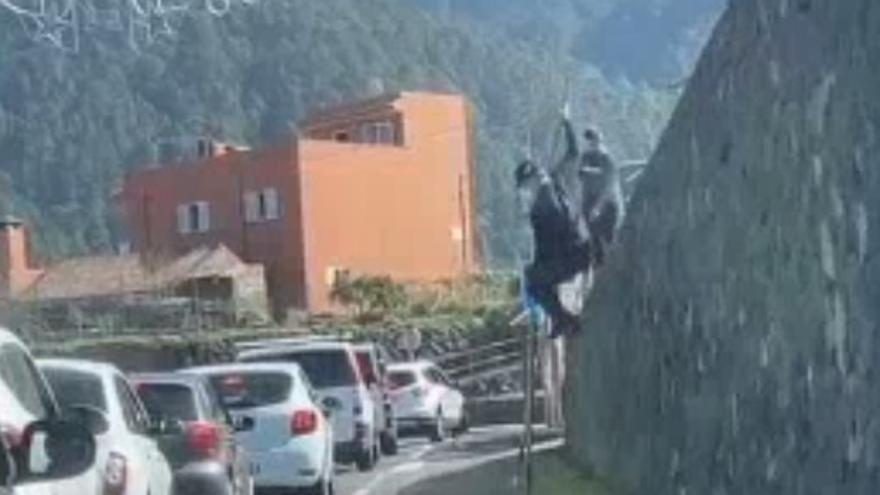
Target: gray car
201	446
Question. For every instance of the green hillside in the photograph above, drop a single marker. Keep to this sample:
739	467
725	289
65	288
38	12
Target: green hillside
653	40
71	124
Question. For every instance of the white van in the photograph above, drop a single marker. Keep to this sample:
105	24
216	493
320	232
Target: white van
333	369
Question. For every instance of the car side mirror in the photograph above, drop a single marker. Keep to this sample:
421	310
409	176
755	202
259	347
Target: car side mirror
242	423
93	419
52	450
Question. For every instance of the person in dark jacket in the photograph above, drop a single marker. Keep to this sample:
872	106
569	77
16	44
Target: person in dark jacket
602	203
561	247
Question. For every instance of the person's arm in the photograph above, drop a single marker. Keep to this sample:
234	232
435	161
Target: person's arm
611	191
571	147
566	168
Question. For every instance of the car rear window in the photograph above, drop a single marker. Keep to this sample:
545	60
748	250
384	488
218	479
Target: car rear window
400	379
252	389
326	369
76	388
169	401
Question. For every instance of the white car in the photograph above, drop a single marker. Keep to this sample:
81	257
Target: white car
372	368
333	370
24	398
128	460
425	400
54	451
289	439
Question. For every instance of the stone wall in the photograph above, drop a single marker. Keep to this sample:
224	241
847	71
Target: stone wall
731	344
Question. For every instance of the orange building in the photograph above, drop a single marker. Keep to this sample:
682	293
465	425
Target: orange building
379	187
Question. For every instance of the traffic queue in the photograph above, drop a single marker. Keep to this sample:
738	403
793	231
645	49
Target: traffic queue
278	419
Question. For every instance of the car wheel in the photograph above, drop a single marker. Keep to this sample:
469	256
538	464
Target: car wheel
438	429
366	459
324	486
388	441
248	488
464	424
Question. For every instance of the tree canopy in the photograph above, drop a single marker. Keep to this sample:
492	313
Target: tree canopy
72	124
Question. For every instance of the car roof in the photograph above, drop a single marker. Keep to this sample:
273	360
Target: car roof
412	366
290	348
8	336
291	368
305	340
169	377
81	365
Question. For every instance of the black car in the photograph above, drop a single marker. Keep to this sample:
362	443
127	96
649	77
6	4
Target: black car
201	448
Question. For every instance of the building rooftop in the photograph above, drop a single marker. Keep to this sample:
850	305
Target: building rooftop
10	221
349	110
96	276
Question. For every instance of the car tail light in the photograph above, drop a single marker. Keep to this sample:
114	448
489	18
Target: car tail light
303	422
203	438
11	435
115	474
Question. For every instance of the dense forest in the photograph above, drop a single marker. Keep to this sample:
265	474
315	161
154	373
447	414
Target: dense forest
644	40
72	124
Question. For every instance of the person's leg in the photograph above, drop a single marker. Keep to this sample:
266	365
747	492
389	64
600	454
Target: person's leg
542	284
612	213
597	244
604	230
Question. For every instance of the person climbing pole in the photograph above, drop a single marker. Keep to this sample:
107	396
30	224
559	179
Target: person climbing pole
602	201
561	240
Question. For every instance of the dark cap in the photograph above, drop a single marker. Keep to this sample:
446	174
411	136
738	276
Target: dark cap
525	171
592	134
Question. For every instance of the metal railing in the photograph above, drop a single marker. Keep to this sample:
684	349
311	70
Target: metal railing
482	362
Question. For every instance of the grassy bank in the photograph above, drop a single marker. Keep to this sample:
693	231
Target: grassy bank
554	476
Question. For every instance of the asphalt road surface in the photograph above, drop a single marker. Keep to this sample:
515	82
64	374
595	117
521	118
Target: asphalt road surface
419	459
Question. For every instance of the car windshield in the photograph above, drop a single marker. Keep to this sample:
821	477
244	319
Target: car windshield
76	388
325	368
242	390
168	401
400	379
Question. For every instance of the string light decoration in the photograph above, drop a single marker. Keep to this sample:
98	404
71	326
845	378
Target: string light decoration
63	23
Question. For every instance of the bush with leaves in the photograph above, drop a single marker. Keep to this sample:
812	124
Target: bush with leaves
371	297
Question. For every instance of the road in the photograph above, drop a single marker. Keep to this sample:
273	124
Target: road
419	459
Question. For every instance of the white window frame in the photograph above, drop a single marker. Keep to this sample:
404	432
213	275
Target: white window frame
251	207
202	224
380	132
272	203
263	205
